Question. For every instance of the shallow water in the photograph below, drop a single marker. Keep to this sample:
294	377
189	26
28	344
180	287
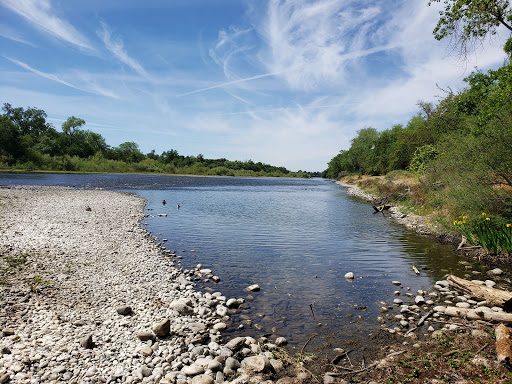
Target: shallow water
295	238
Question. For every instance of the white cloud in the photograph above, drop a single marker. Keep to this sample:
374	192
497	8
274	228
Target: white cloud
116	47
40	14
311	42
97	90
8	33
222	85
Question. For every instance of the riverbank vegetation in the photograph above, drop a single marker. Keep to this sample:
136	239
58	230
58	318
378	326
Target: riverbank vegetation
452	160
29	142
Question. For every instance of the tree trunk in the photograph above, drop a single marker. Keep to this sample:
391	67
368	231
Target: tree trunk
494	297
478	314
503	345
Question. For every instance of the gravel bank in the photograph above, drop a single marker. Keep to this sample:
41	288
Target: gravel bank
91	297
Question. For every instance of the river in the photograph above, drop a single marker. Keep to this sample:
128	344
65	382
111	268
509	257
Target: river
295	238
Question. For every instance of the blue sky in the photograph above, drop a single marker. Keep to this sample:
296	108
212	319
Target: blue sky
285	82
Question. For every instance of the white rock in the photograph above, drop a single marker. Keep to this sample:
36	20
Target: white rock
253	288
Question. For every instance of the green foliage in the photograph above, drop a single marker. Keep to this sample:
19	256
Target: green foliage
10	145
71	125
30	122
422	158
29	143
459	150
489	233
468	22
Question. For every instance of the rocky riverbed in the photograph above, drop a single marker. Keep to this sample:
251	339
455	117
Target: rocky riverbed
87	295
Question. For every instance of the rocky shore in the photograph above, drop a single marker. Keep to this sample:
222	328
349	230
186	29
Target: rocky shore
87	295
417	223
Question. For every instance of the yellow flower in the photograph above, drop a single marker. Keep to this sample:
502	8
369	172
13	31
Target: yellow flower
483	213
455	222
464	217
460	222
487	218
464	221
509	225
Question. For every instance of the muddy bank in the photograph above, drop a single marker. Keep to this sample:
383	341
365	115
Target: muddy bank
87	295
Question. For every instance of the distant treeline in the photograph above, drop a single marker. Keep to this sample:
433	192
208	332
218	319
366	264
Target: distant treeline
29	142
460	149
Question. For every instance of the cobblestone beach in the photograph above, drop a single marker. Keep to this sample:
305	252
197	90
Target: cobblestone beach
87	296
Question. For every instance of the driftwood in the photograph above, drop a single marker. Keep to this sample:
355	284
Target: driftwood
425	317
379	363
380	208
503	345
478	314
494	297
416	270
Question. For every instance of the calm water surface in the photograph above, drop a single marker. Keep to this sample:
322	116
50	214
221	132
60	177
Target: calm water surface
295	238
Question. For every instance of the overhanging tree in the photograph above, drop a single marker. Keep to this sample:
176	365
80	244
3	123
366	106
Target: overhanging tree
469	22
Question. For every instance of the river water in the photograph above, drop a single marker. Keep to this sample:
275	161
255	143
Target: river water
295	238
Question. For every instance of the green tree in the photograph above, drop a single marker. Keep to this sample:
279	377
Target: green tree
71	125
10	144
468	22
168	157
31	121
129	152
362	152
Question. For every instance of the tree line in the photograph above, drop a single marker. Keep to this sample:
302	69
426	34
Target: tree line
28	141
459	149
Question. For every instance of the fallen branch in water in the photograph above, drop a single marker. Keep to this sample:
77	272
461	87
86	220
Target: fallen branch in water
307	342
425	317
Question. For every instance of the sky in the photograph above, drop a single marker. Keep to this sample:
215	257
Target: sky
284	82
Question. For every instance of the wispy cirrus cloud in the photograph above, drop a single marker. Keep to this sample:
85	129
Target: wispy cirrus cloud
116	47
228	83
8	33
311	42
40	14
95	90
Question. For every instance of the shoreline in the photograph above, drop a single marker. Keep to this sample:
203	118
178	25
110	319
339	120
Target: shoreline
416	223
90	295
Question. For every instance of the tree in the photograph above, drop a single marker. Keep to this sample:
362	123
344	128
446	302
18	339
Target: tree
129	152
10	144
362	151
469	22
30	122
71	125
168	156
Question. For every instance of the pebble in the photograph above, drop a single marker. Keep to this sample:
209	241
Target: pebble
124	310
495	272
98	259
253	288
163	328
349	276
